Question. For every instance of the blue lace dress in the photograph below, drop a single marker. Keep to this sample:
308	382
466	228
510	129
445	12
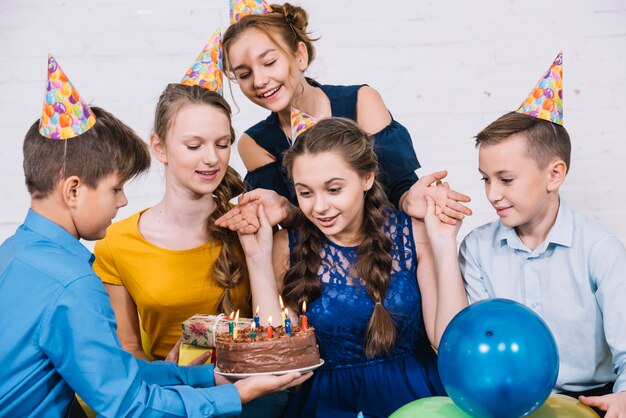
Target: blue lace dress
350	382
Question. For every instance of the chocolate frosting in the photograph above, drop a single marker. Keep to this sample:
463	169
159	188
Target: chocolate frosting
282	352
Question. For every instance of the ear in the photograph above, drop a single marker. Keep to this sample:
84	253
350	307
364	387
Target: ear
302	56
71	188
158	148
557	170
368	181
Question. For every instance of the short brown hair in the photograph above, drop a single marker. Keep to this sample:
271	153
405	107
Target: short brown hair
110	146
546	140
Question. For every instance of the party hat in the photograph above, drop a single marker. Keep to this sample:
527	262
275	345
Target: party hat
65	114
241	8
300	122
546	99
207	70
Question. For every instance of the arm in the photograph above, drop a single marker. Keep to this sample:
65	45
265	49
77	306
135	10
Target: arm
252	154
109	378
258	251
127	318
607	264
393	145
451	296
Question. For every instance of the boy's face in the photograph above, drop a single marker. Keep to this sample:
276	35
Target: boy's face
515	185
96	208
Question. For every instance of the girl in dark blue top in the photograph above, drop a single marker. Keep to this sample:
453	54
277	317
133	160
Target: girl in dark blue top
267	55
377	294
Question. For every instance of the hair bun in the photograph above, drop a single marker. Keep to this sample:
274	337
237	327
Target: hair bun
294	15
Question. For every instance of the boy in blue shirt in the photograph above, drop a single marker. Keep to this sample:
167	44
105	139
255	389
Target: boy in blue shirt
568	269
57	325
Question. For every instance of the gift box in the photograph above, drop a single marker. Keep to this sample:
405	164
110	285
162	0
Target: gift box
200	330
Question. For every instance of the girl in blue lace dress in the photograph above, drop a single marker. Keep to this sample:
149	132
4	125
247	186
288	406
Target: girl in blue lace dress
367	273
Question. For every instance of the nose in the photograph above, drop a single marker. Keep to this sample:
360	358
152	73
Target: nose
494	194
260	79
122	200
320	206
210	156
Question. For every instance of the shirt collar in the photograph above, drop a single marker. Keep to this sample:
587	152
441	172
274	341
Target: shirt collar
55	233
561	232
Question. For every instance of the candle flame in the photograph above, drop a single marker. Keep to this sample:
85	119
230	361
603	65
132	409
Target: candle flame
231	315
280	300
304	306
237	316
269	321
257	309
286	312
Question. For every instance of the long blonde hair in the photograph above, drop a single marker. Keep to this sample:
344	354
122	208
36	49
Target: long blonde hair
228	269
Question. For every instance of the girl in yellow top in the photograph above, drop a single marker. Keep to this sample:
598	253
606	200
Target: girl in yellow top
169	262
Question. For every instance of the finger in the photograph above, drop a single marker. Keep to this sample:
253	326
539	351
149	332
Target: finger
446	219
172	356
264	221
430	205
434	177
201	359
458	207
459	197
597	401
225	218
297	381
248	197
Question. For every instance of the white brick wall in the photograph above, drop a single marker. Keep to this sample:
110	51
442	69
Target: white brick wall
445	70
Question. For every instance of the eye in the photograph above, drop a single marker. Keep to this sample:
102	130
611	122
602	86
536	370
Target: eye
269	64
193	147
485	179
335	190
117	190
242	76
224	145
506	181
304	193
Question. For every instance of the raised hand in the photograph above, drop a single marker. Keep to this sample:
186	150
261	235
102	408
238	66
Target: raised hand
243	217
449	203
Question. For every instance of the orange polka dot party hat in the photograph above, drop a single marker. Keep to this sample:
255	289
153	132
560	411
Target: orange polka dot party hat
65	115
545	101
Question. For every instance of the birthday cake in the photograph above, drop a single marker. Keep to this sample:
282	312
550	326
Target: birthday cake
254	351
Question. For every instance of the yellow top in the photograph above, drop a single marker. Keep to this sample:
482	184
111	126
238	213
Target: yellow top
168	286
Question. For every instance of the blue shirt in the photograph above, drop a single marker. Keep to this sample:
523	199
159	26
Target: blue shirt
59	337
575	280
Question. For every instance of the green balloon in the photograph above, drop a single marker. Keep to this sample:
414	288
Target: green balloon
435	407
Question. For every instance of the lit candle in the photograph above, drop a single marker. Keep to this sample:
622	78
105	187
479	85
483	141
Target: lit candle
231	326
269	329
282	307
287	323
252	333
256	318
303	318
236	328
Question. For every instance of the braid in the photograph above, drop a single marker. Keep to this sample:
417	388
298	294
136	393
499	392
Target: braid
301	281
374	266
228	270
374	262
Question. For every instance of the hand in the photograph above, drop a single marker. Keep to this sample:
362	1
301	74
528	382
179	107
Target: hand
437	229
172	356
252	387
449	208
242	218
260	243
614	404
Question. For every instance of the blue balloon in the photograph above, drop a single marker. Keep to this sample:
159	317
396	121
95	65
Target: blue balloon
498	359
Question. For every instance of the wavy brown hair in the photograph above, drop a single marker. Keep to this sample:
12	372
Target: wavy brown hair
287	21
344	138
228	269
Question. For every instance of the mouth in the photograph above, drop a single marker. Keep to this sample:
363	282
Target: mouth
207	173
327	221
269	93
502	210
